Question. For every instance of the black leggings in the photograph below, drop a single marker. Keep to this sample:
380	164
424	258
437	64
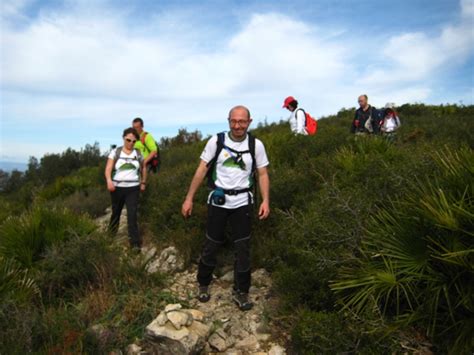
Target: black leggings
240	220
126	196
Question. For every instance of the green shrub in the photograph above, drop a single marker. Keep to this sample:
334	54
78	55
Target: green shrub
322	333
79	180
17	326
83	262
417	256
26	237
92	201
15	282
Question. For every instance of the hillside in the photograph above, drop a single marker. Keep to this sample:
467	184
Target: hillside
369	244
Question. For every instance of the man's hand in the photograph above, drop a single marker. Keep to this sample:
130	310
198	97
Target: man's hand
187	208
142	187
110	186
264	210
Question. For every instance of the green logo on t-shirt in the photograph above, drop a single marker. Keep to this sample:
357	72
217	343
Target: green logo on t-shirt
231	163
127	166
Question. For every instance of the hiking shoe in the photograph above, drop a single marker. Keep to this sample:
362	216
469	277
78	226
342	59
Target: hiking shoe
241	299
204	295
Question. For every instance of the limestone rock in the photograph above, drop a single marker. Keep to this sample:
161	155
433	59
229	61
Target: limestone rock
176	331
196	314
228	277
168	261
133	349
248	344
148	252
217	342
200	329
172	307
162	318
220	341
167	331
276	350
178	319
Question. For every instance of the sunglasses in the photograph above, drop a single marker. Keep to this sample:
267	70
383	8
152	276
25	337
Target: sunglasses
130	140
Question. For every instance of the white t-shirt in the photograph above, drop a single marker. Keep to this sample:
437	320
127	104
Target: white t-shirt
391	124
230	175
298	122
126	169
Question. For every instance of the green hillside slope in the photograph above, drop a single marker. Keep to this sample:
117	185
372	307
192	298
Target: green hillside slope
370	243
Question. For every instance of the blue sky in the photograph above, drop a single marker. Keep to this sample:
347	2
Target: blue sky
75	72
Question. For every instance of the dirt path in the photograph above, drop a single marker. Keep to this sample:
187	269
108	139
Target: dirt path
215	327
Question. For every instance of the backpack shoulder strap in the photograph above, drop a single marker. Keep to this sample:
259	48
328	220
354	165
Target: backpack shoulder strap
118	151
220	146
143	137
252	151
304	112
210	165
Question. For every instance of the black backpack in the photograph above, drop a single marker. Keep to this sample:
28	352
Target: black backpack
220	145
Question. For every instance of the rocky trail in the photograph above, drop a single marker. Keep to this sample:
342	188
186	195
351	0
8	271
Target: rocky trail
215	327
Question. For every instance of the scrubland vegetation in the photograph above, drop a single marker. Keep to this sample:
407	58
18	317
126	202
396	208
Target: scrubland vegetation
370	243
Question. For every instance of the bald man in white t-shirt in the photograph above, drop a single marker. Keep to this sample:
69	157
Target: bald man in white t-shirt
231	160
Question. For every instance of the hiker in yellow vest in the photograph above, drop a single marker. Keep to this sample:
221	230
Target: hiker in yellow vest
146	144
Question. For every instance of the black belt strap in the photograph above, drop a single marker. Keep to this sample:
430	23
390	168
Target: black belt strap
236	192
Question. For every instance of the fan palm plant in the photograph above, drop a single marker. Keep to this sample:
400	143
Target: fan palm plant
417	257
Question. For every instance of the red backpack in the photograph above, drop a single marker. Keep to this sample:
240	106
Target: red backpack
311	124
155	162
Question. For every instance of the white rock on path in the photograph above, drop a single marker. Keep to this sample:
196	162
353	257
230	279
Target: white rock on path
277	350
249	343
172	307
217	342
168	331
168	261
177	325
178	319
197	315
133	349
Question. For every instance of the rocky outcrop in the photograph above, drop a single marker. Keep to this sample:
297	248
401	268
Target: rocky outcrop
178	330
168	260
216	327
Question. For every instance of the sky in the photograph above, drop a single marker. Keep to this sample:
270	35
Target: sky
77	72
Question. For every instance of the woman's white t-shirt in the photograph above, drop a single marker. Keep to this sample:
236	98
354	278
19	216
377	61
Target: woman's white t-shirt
126	169
391	124
298	122
232	176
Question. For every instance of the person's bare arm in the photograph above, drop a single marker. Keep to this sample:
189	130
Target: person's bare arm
150	157
108	175
264	184
197	180
143	177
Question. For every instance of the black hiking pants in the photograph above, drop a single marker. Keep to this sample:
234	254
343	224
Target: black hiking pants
240	220
126	196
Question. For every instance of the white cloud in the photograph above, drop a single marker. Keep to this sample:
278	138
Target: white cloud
85	62
416	57
467	10
91	68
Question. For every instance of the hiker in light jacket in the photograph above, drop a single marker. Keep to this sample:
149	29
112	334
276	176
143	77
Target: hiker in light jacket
298	117
390	122
126	174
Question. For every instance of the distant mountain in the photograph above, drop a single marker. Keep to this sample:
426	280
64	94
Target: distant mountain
10	166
